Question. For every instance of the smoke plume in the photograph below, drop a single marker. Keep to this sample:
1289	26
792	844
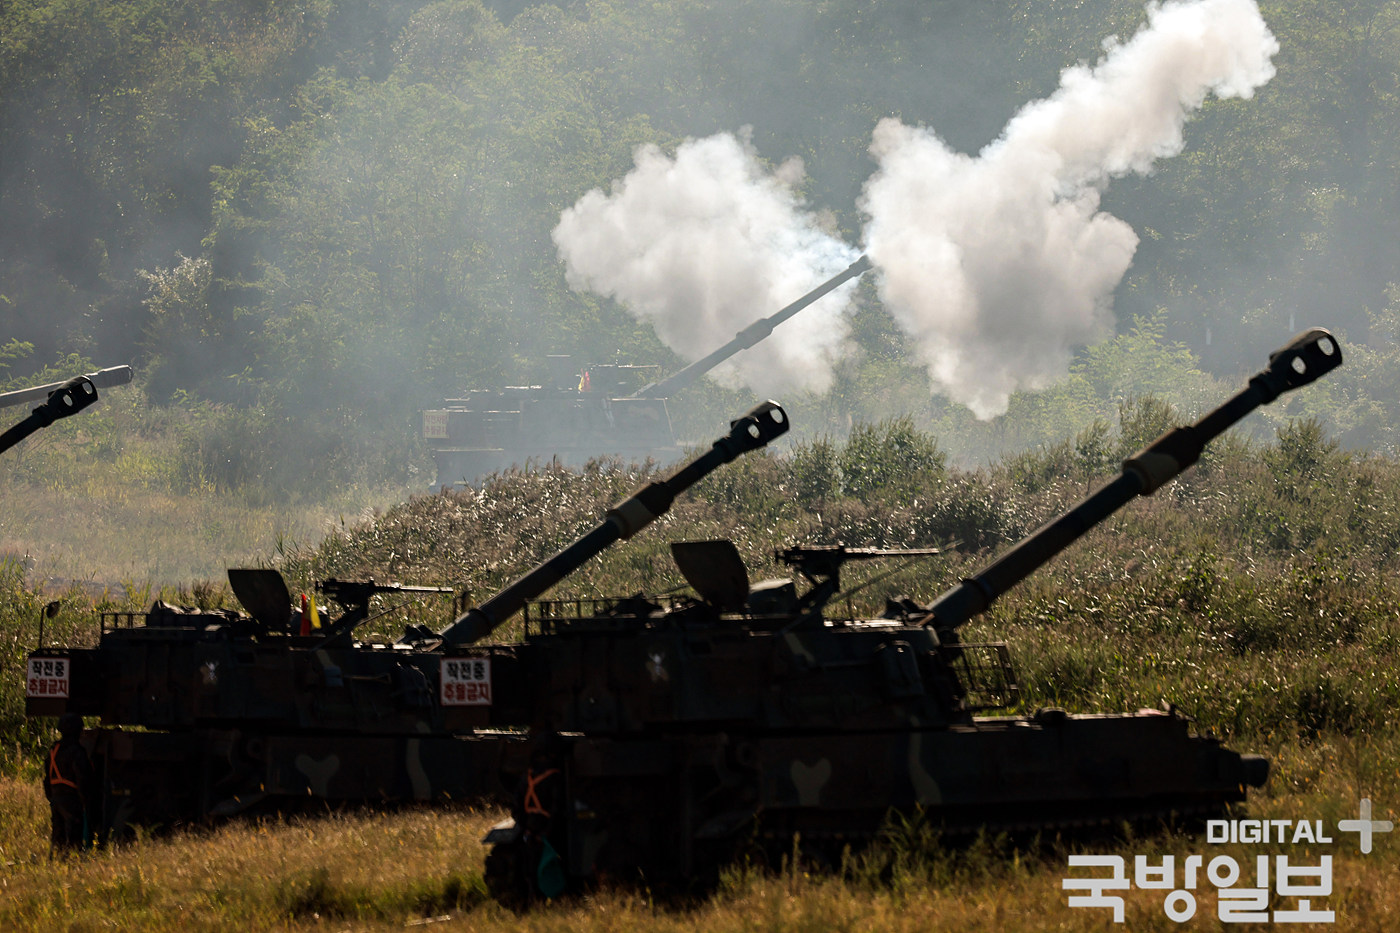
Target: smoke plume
999	265
996	265
702	245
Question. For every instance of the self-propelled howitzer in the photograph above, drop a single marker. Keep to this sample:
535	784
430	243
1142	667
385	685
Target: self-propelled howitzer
581	413
686	727
237	713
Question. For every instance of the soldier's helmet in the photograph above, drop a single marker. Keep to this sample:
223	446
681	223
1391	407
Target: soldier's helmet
70	725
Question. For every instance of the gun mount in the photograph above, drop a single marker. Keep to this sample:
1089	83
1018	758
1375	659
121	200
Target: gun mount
355	596
690	727
581	413
239	713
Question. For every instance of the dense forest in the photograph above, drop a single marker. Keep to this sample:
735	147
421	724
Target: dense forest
309	220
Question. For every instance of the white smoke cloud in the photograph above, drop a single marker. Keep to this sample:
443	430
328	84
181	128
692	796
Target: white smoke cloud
996	265
999	265
703	244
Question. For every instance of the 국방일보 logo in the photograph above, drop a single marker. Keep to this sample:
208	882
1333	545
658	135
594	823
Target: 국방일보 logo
1302	887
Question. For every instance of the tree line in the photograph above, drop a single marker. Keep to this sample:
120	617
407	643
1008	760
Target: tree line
323	216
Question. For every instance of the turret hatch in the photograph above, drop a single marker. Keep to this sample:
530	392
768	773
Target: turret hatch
715	570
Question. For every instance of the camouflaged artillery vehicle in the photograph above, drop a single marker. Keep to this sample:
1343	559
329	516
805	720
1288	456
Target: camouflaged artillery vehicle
581	413
209	714
683	728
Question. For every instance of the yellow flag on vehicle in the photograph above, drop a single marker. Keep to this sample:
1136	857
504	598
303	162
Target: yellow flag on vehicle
310	618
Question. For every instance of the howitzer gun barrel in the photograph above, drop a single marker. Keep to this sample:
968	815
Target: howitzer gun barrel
756	428
749	335
1305	358
102	379
68	398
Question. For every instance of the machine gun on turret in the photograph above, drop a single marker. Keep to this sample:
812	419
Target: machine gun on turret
581	413
355	595
821	566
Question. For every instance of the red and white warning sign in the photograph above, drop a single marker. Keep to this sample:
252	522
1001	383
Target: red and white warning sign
466	682
47	677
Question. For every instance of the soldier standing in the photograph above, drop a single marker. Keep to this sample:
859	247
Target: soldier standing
68	784
538	809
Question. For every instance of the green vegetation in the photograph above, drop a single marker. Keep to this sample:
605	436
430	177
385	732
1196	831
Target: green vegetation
324	216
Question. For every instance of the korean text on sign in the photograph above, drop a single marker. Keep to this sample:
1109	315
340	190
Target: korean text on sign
47	677
466	682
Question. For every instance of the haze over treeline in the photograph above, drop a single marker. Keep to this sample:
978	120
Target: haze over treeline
326	215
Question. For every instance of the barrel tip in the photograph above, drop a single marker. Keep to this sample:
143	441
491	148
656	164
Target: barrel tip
1307	356
760	424
71	397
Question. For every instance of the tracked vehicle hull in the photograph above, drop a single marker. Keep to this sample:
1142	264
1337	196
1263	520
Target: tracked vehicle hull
692	735
230	724
164	780
723	794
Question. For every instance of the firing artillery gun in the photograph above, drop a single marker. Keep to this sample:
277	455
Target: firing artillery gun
685	728
206	714
581	413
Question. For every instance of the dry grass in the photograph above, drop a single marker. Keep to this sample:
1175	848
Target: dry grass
352	867
374	871
115	534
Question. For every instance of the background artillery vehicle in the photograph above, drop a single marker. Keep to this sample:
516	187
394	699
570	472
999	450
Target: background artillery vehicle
60	399
685	728
242	713
581	413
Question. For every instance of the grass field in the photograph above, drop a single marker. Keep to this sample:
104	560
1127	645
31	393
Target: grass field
1259	594
376	871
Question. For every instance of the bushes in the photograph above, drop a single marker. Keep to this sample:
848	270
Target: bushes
888	459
